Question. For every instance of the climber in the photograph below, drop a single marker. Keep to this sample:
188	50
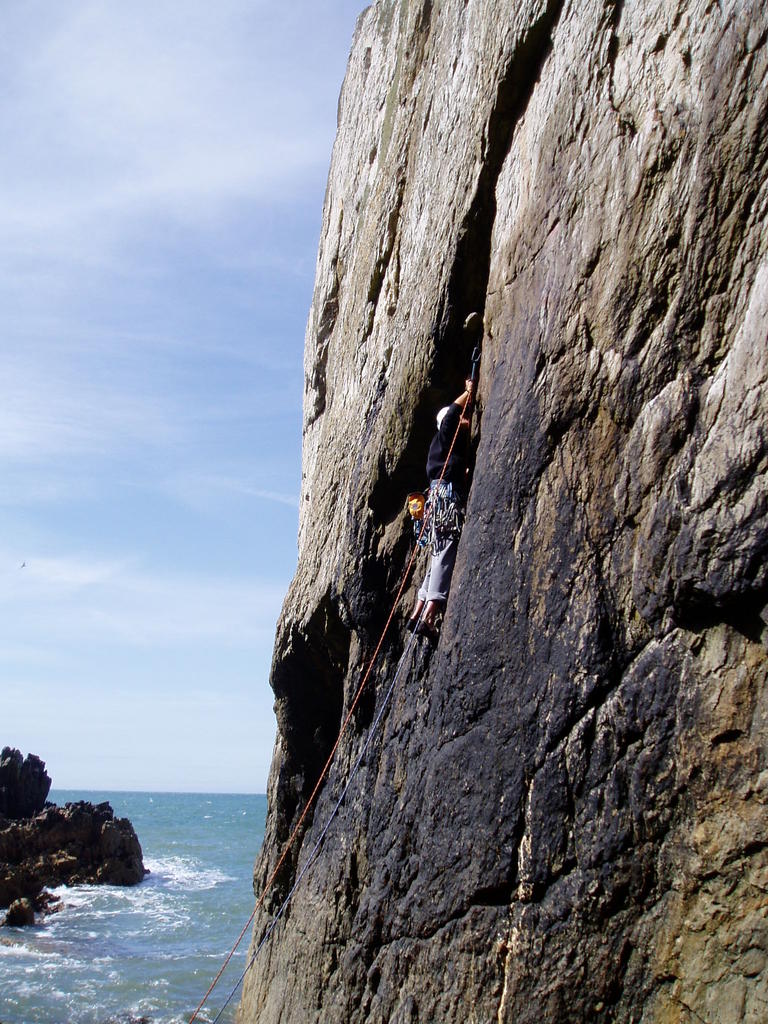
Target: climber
444	509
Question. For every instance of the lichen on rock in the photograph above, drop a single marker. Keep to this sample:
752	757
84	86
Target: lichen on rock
565	818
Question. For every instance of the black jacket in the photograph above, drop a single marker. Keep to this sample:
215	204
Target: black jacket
456	470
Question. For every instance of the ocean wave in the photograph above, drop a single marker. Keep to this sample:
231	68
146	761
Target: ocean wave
185	873
89	910
137	951
20	949
75	897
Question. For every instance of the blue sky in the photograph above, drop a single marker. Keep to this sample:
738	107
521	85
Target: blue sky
161	184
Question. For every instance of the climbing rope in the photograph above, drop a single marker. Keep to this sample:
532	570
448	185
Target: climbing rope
310	859
324	771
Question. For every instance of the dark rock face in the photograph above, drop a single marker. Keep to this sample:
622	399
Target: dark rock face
24	784
566	818
21	913
42	845
72	845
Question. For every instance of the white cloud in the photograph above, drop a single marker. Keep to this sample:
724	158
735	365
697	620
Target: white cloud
71	601
122	112
121	124
56	577
157	168
54	408
200	490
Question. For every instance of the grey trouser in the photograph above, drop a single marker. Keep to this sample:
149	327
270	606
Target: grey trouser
438	579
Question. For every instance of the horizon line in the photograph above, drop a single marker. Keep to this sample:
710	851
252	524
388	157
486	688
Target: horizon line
153	792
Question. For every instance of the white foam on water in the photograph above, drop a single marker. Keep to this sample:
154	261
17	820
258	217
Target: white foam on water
36	953
113	952
20	949
187	874
74	897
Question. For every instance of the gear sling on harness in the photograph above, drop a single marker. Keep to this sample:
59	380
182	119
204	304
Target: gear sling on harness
443	515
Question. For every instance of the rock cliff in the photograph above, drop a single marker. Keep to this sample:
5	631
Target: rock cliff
565	818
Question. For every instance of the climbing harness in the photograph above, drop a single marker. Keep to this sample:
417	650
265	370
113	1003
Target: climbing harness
324	771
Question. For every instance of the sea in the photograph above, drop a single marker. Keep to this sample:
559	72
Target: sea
115	955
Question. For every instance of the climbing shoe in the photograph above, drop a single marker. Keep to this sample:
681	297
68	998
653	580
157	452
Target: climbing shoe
424	629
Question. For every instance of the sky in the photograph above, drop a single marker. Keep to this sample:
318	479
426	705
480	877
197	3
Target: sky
162	176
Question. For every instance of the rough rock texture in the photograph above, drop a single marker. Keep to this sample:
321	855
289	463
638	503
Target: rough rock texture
21	913
565	819
78	844
24	784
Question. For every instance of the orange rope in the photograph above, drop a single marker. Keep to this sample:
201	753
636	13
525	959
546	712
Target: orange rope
324	772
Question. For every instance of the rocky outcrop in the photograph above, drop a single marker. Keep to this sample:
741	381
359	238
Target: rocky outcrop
24	784
21	913
78	844
43	846
566	818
